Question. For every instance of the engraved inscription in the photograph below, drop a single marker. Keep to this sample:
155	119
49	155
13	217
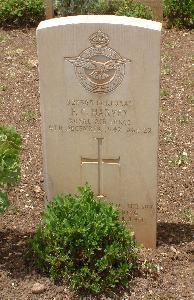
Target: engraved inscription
135	213
99	126
99	68
99	116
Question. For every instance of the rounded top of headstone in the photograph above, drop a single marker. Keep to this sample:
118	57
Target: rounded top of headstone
101	19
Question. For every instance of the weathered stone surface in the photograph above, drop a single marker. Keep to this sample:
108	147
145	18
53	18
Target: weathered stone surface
99	89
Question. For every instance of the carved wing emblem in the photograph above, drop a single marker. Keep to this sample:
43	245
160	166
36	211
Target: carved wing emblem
99	68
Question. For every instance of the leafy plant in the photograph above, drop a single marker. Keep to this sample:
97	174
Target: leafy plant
29	116
184	119
191	100
69	7
169	45
179	13
151	267
166	71
82	240
169	137
4	203
133	9
180	160
189	216
10	147
21	12
3	88
2	39
115	7
164	94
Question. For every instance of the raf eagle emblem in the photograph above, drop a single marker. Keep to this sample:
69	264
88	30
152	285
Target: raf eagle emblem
100	69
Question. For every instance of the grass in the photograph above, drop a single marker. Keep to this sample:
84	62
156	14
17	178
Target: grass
19	51
2	39
4	202
15	52
169	137
165	57
3	88
190	83
169	45
180	160
31	63
189	216
164	94
191	100
29	116
184	119
166	71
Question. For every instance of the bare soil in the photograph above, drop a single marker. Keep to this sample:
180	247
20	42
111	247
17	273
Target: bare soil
19	105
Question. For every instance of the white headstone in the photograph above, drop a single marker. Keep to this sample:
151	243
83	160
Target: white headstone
99	90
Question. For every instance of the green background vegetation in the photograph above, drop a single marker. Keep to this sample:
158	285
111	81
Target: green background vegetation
31	12
179	13
113	7
21	12
10	147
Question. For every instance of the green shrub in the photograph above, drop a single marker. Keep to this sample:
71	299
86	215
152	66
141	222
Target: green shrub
69	7
82	241
179	13
10	147
133	9
21	12
4	203
114	7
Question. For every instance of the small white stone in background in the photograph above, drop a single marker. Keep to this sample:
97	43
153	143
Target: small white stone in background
38	288
37	189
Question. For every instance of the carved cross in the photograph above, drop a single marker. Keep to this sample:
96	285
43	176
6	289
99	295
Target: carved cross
100	161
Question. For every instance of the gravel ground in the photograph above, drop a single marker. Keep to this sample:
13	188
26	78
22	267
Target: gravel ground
19	105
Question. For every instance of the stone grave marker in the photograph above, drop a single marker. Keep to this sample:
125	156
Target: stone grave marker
49	10
99	90
156	6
